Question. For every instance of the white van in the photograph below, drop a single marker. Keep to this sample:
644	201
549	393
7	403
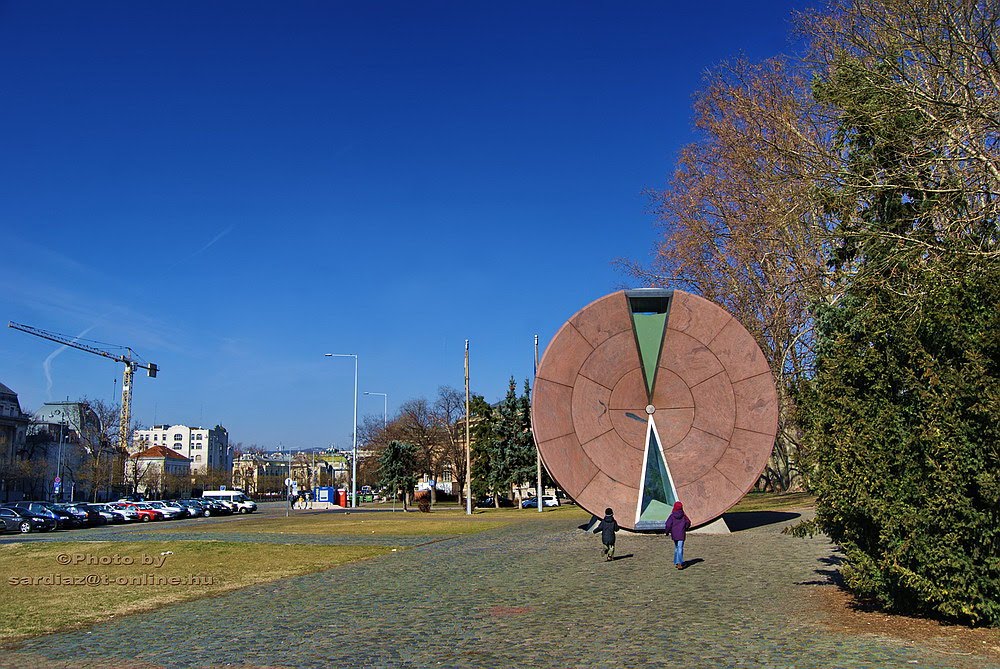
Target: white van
237	498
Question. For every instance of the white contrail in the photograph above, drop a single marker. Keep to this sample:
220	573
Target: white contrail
214	239
47	364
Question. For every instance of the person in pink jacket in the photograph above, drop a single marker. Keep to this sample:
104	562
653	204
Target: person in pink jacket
677	526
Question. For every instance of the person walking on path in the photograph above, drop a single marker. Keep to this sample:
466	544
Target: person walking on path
677	526
607	527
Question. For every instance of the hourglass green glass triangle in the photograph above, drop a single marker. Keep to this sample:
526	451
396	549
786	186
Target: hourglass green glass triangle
650	308
649	330
657	492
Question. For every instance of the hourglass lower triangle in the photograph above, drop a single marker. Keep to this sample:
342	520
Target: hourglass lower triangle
657	491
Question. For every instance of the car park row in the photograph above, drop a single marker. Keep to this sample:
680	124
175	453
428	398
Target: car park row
25	516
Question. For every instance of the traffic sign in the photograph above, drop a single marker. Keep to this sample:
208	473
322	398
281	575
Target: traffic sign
288	481
57	480
222	487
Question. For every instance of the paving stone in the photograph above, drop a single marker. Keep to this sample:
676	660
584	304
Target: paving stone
530	594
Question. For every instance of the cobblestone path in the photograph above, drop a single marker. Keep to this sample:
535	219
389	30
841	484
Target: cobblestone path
535	594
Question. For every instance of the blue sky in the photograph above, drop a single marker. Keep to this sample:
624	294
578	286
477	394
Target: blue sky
236	188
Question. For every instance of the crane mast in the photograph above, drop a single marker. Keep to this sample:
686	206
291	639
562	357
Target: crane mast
127	359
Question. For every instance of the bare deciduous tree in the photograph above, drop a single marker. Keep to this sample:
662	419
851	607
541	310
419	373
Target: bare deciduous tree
449	413
418	425
918	79
741	226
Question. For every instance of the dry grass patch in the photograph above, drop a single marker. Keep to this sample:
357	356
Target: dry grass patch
450	522
768	501
51	586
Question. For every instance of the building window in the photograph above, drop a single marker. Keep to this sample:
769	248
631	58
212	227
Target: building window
197	458
178	437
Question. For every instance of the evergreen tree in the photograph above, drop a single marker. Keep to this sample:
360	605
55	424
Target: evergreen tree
903	420
504	447
505	430
482	447
525	454
901	413
397	468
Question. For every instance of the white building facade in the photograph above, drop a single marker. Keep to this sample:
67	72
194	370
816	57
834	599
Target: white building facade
207	448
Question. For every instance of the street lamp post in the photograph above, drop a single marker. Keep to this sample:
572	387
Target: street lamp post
57	492
385	408
354	449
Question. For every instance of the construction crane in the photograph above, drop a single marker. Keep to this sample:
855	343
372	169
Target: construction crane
128	359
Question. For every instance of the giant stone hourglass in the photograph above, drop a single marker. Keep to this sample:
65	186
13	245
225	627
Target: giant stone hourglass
648	396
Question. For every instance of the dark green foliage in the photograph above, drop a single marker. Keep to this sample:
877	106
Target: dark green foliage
482	445
903	416
902	413
504	449
397	467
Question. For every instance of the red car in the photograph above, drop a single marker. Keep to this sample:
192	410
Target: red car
145	511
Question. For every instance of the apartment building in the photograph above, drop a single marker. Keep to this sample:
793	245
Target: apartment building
160	472
13	429
206	448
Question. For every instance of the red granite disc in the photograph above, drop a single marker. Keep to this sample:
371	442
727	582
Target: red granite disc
712	400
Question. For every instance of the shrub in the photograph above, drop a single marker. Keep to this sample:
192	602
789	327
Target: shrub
903	419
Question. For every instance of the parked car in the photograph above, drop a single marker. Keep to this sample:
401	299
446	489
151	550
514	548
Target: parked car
18	520
145	511
215	508
64	519
131	515
193	506
547	500
174	504
169	511
79	516
235	499
87	516
487	502
228	504
192	509
109	514
74	519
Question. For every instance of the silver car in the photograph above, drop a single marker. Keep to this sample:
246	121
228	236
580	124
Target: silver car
131	515
109	514
169	512
192	509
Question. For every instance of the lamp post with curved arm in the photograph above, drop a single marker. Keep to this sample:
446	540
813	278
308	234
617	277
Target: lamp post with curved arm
385	408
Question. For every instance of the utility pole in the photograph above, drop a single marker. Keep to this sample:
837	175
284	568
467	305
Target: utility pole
538	455
58	485
468	444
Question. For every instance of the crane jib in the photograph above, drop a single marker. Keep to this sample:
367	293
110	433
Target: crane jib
127	360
